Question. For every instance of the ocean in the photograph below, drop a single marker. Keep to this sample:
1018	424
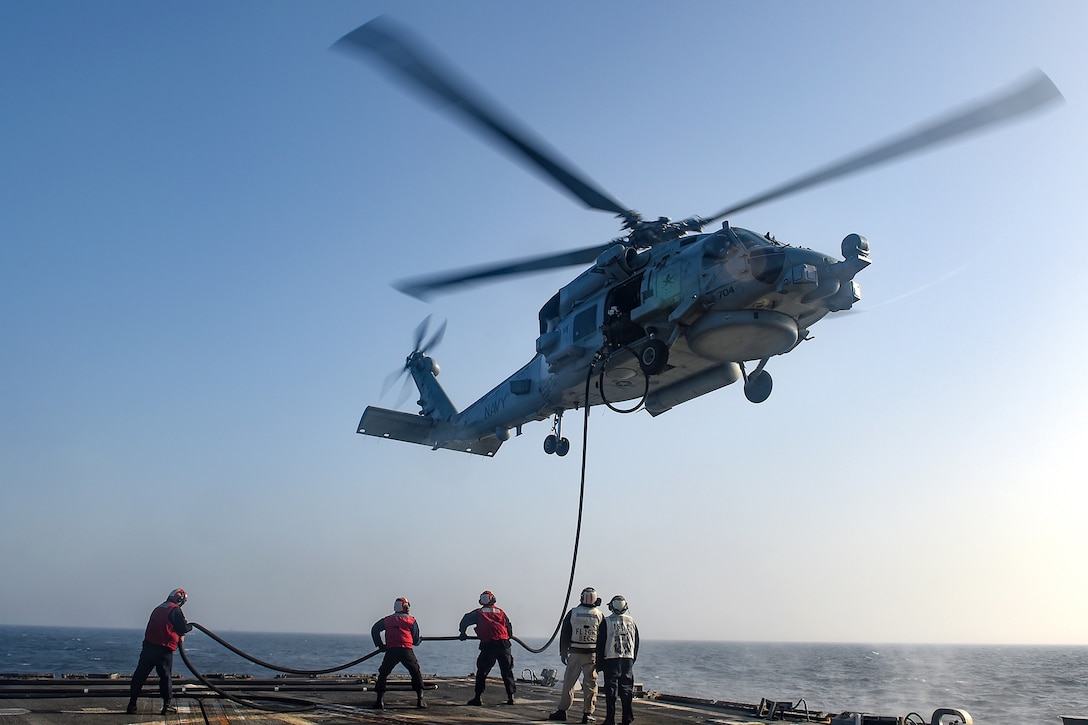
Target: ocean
998	685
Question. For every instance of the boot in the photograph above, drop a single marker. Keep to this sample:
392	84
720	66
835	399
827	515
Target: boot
475	701
168	707
419	700
558	715
378	704
131	709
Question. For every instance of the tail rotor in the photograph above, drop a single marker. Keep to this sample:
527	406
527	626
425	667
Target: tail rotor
435	339
421	345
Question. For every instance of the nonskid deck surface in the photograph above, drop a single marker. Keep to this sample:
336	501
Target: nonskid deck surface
335	701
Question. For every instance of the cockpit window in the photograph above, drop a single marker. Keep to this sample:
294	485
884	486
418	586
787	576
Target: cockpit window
549	315
764	256
750	239
585	323
766	263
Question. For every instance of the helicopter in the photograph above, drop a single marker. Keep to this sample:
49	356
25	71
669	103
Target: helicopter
666	312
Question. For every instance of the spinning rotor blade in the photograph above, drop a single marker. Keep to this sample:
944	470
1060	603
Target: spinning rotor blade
1035	93
422	287
1029	96
405	386
419	346
431	77
435	338
391	380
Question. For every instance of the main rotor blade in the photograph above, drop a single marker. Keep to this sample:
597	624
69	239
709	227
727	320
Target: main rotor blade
1037	92
433	78
422	287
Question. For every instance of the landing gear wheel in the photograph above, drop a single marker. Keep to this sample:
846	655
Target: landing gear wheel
653	357
563	447
551	444
758	387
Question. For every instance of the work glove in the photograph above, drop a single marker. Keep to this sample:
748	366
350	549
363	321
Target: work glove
563	659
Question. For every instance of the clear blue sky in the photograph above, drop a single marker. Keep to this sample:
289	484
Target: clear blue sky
203	209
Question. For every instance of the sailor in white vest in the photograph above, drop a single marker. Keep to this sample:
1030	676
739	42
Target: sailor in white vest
578	651
617	650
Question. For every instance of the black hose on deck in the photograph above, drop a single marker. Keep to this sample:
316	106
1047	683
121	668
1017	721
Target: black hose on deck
269	665
283	704
307	705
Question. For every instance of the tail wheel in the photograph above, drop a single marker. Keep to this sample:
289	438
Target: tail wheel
653	357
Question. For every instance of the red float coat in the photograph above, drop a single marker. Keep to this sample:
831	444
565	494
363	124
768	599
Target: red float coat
400	630
492	624
160	630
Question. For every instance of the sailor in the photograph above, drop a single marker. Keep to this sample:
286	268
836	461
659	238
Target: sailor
494	630
617	650
578	651
401	634
165	629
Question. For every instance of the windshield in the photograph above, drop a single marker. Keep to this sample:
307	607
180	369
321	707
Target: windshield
751	239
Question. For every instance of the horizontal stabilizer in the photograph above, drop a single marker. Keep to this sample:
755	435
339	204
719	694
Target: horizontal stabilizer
413	428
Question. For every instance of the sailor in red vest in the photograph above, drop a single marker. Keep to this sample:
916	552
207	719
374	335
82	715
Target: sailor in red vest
401	634
494	630
165	628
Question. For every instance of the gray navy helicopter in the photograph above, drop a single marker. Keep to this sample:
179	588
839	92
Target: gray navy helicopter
665	313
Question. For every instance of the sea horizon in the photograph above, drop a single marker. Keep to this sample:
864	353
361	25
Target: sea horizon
542	637
1003	684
